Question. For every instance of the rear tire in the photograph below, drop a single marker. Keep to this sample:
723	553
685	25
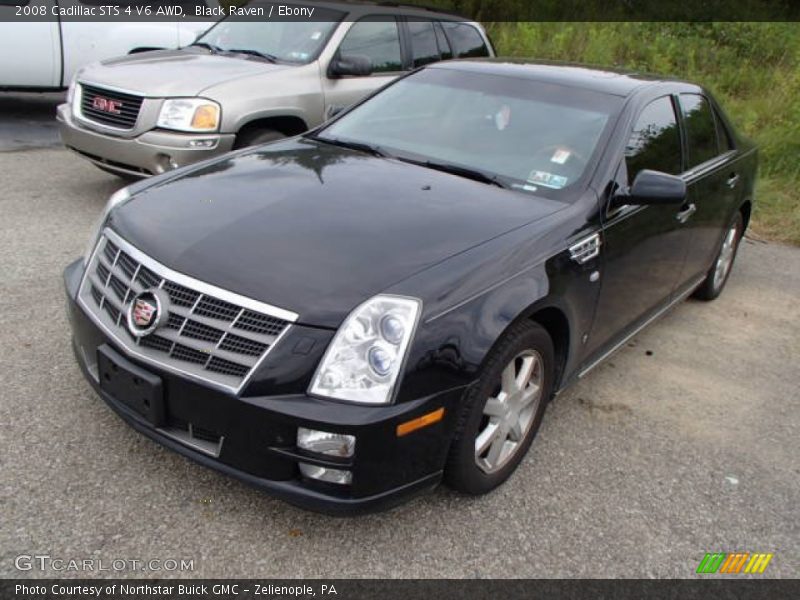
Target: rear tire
502	411
720	271
257	137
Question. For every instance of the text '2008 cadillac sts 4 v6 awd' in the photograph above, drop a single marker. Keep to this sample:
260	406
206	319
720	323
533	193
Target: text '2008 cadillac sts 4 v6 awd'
350	316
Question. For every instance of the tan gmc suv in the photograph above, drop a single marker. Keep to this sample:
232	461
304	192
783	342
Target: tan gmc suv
247	82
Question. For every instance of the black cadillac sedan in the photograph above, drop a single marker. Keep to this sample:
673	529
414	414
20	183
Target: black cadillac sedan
353	315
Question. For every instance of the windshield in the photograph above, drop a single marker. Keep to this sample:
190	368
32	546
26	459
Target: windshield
521	133
286	41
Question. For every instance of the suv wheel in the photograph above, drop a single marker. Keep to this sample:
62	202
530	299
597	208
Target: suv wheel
257	137
502	411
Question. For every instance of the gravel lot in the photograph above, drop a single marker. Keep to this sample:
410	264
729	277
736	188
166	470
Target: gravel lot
648	463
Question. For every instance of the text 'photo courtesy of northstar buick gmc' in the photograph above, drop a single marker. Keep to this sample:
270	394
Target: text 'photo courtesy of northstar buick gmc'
244	83
353	315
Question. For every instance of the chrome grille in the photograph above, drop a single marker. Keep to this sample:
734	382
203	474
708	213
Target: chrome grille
210	334
124	112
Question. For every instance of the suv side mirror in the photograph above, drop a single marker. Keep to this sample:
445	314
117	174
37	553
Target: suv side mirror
653	187
350	65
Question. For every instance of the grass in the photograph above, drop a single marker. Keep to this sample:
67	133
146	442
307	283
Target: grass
752	68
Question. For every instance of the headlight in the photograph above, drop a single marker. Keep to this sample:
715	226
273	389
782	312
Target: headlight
115	200
74	96
189	114
72	86
365	358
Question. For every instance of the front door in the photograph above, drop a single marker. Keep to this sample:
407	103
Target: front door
377	39
644	247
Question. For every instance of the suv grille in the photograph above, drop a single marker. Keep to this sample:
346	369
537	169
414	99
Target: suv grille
109	107
209	333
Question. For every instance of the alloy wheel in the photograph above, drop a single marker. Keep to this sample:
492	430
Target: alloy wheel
726	254
509	413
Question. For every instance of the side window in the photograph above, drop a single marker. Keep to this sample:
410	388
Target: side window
724	137
466	40
378	40
655	142
441	40
700	129
423	42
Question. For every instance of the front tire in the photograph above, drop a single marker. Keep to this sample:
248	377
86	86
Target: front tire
257	137
503	411
720	271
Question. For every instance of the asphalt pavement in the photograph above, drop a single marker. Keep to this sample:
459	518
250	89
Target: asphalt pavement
28	120
684	442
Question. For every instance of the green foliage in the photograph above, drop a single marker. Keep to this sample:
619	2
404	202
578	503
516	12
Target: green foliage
753	69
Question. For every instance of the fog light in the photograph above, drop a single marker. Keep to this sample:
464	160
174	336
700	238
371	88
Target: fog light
324	474
165	163
324	442
206	143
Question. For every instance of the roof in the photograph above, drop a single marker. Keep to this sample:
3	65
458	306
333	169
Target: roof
618	82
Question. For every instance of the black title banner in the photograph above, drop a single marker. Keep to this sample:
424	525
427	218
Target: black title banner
369	589
121	11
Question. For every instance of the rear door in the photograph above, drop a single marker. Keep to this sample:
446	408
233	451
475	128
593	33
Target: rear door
712	180
643	246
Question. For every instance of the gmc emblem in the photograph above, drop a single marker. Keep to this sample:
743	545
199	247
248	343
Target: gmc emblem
106	105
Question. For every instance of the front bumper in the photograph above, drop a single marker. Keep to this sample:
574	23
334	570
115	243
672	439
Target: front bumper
258	432
150	153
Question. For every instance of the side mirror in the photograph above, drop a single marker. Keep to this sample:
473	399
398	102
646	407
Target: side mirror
653	187
350	65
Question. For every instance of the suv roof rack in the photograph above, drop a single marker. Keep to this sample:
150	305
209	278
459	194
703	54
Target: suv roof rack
419	7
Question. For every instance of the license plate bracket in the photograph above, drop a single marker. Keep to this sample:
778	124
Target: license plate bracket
139	390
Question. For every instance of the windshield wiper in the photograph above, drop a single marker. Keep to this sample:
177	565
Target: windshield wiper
360	146
474	174
212	49
268	57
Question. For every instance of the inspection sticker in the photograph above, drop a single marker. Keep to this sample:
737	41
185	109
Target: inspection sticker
547	179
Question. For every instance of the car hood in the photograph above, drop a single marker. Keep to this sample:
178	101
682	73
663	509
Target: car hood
171	73
313	228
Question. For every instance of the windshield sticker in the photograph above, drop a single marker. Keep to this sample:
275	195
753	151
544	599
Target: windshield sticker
524	186
561	156
316	35
546	179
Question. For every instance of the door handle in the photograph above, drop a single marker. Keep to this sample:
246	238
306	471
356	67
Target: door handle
732	180
687	212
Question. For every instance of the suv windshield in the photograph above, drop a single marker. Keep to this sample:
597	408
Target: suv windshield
286	41
520	133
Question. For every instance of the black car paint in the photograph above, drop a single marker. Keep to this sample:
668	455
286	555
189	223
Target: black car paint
318	229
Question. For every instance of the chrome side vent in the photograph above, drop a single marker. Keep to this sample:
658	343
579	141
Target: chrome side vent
586	249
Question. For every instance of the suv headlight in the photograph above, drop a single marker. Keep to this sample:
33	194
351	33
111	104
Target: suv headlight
117	198
365	358
189	114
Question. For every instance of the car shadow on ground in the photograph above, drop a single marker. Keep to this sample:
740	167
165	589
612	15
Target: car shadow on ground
28	120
